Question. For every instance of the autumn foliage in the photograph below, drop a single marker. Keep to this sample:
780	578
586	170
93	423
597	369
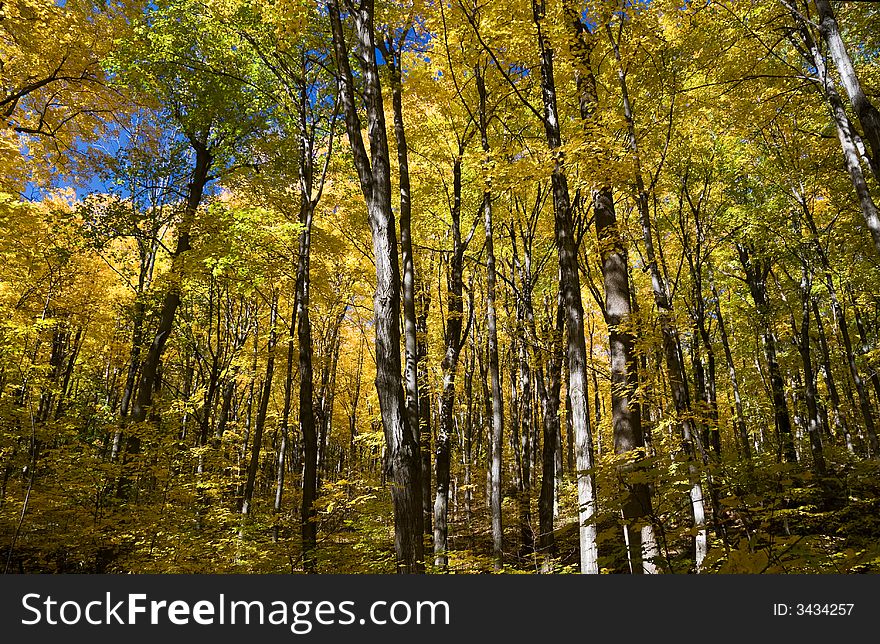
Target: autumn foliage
221	222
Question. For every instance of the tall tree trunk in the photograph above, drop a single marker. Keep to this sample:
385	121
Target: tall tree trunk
406	251
569	285
527	537
454	319
262	408
810	397
626	419
497	435
523	382
739	421
866	112
403	458
845	133
756	272
310	427
150	366
307	420
497	439
423	297
671	349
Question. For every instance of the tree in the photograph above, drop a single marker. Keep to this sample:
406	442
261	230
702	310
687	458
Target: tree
374	174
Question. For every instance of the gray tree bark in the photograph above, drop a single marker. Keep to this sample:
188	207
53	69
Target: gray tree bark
756	271
373	168
497	435
671	346
846	133
866	112
569	285
449	365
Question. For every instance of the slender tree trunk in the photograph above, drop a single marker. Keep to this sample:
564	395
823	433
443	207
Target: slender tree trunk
454	319
187	388
403	458
307	420
548	393
281	463
262	408
354	452
548	354
204	415
866	347
756	272
739	421
225	408
497	436
486	410
423	295
522	381
569	285
150	367
73	351
513	417
137	338
846	135
866	112
468	450
326	393
60	337
677	380
704	377
712	393
134	359
527	537
810	396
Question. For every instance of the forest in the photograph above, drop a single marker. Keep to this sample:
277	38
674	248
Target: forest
440	286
